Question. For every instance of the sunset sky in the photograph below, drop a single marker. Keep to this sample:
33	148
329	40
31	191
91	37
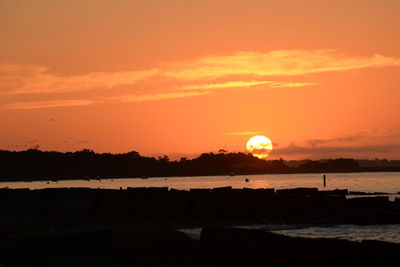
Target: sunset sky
319	78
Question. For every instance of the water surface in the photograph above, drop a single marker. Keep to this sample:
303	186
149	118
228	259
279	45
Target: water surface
388	233
388	182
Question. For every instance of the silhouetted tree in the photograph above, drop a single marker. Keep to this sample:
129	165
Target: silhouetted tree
36	164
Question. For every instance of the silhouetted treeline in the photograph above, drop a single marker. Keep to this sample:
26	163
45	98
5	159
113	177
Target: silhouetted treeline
378	163
36	164
334	165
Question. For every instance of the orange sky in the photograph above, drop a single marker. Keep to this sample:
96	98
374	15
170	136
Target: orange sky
319	78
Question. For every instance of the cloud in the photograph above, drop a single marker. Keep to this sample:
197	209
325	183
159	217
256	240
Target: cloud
243	133
360	143
277	84
318	142
87	102
18	79
360	136
339	150
142	98
239	84
275	63
194	77
48	104
21	79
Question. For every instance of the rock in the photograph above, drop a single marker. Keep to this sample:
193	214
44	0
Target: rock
157	190
136	189
200	191
297	192
396	203
219	190
336	192
134	240
366	193
176	191
387	217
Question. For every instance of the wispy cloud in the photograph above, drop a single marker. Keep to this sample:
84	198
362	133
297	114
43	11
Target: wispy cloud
141	98
78	102
277	84
17	79
319	142
359	136
239	84
338	150
179	79
275	63
372	142
48	104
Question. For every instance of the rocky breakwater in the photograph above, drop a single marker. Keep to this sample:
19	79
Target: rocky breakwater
69	206
67	225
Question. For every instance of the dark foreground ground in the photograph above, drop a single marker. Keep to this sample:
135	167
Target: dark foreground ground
139	227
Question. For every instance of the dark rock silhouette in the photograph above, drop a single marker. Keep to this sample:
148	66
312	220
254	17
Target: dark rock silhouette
336	192
138	226
297	191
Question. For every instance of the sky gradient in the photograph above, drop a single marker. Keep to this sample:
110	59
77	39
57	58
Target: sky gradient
319	78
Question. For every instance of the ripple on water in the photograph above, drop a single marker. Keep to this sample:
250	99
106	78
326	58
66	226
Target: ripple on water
388	233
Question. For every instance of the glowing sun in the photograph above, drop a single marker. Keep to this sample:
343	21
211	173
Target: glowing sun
260	146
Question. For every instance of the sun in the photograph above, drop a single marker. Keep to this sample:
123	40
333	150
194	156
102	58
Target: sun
260	146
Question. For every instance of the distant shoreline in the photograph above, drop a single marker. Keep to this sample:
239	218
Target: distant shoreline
36	165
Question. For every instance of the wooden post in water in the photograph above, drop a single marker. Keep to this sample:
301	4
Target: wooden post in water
324	180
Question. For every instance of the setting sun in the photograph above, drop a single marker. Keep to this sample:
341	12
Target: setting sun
260	146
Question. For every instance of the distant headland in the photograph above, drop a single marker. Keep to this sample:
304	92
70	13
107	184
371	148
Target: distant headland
34	164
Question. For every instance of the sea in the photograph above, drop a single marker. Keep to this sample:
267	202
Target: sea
387	182
357	233
370	182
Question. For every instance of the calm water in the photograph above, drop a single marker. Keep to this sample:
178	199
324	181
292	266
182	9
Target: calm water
388	182
388	233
